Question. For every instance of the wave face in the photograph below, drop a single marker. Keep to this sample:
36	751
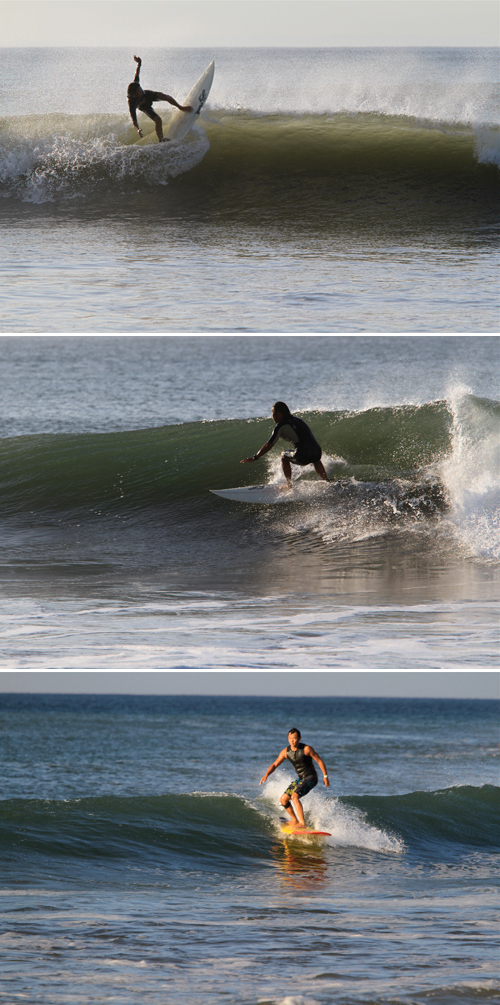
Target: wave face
331	158
152	467
184	826
392	467
464	815
207	827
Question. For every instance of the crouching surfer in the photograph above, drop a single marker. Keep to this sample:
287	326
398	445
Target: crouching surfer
143	101
306	449
301	756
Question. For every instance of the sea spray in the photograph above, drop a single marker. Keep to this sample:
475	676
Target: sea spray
346	824
471	473
59	157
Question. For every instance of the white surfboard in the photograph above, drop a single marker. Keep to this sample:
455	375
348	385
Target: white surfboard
181	122
271	494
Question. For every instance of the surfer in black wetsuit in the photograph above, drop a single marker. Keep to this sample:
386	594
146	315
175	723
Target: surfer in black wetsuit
301	756
143	101
306	449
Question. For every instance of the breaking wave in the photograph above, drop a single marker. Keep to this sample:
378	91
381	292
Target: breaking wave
61	158
220	826
392	467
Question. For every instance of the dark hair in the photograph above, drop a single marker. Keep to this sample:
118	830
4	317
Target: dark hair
281	407
294	730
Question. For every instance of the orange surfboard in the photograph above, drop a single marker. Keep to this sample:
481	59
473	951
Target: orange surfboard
302	831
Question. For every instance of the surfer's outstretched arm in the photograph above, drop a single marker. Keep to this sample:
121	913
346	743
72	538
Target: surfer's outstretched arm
137	72
134	94
132	106
263	450
279	760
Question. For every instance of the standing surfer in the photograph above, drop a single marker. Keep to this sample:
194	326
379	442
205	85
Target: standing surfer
306	449
301	756
143	101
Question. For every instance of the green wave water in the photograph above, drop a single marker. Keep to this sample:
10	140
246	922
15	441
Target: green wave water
241	159
465	815
153	467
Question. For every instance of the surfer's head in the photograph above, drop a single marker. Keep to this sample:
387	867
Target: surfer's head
134	90
280	409
294	732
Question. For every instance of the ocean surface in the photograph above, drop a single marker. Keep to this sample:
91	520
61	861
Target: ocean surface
322	190
140	860
115	555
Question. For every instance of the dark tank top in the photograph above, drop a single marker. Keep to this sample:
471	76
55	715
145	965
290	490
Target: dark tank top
303	763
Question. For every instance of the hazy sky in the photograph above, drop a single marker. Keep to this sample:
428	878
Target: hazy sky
215	23
398	683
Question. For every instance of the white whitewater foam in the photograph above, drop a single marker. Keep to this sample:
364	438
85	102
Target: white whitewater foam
487	142
50	156
471	473
346	824
291	1000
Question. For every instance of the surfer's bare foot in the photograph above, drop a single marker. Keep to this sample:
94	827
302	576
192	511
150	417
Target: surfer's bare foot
286	488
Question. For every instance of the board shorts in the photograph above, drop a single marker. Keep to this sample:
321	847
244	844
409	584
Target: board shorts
301	786
303	455
145	105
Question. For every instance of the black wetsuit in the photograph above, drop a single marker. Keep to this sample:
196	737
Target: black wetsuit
304	766
296	431
303	763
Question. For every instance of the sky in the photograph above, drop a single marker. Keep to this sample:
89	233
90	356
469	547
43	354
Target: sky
392	684
219	23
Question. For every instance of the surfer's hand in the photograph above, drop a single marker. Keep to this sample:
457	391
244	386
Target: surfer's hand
264	779
247	460
187	108
138	59
140	133
325	781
